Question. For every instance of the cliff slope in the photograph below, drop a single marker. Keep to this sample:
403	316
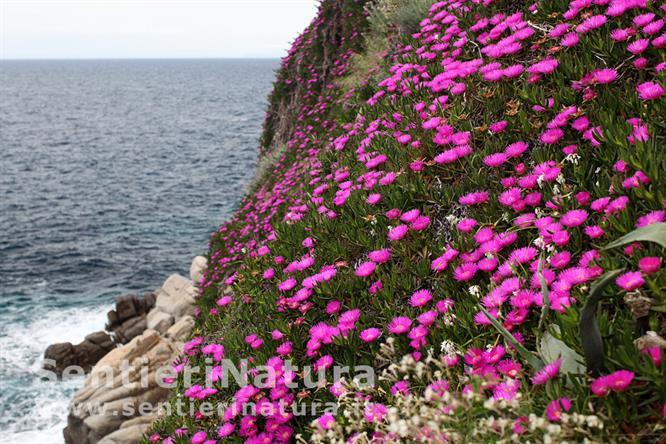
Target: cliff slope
448	188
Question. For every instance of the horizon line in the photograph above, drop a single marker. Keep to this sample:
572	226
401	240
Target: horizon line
38	59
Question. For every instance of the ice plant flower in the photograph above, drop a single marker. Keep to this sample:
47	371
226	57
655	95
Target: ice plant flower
370	334
548	372
650	90
630	281
420	298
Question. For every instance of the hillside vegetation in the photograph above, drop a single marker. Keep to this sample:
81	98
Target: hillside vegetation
448	190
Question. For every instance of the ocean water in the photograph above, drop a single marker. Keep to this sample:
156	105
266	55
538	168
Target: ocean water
113	173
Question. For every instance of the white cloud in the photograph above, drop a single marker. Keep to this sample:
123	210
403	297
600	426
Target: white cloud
150	28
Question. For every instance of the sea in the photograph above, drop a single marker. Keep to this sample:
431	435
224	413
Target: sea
113	175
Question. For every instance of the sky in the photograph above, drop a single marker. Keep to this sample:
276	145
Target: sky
80	29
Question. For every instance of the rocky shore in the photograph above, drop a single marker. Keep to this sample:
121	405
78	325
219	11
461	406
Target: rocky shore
125	362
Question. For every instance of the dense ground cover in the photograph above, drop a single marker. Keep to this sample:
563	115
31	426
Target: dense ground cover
451	218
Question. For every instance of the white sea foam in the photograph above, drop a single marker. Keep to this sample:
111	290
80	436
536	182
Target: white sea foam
35	410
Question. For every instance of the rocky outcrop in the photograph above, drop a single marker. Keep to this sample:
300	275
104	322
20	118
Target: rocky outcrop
122	393
58	357
128	320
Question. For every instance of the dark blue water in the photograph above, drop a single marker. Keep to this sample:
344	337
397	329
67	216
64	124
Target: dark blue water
112	176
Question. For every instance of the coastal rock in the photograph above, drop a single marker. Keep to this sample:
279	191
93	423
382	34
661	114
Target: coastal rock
159	320
130	329
181	329
199	265
106	402
151	331
58	357
176	297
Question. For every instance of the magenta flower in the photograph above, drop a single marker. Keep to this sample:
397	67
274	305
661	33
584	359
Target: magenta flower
474	198
591	23
397	233
638	46
630	281
326	421
400	325
495	160
556	407
523	255
650	218
466	225
545	66
375	412
380	256
548	372
420	298
420	224
365	269
226	430
516	149
617	381
570	39
551	136
594	231
650	264
324	362
370	334
574	218
198	438
606	75
649	90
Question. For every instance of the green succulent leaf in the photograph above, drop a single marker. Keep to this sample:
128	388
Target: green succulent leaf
590	336
530	357
652	233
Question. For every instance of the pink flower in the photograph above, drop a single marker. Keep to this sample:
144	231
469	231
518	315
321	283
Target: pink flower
551	136
465	271
650	218
548	372
420	298
474	198
605	75
630	281
375	412
400	325
397	233
410	216
324	362
326	421
370	334
495	160
570	39
498	127
466	225
420	224
374	198
594	231
523	255
619	381
555	408
591	23
365	269
574	218
649	90
380	256
650	264
545	66
226	429
400	387
515	149
198	438
638	46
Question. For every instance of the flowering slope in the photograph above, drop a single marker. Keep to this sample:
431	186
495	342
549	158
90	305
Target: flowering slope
452	209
